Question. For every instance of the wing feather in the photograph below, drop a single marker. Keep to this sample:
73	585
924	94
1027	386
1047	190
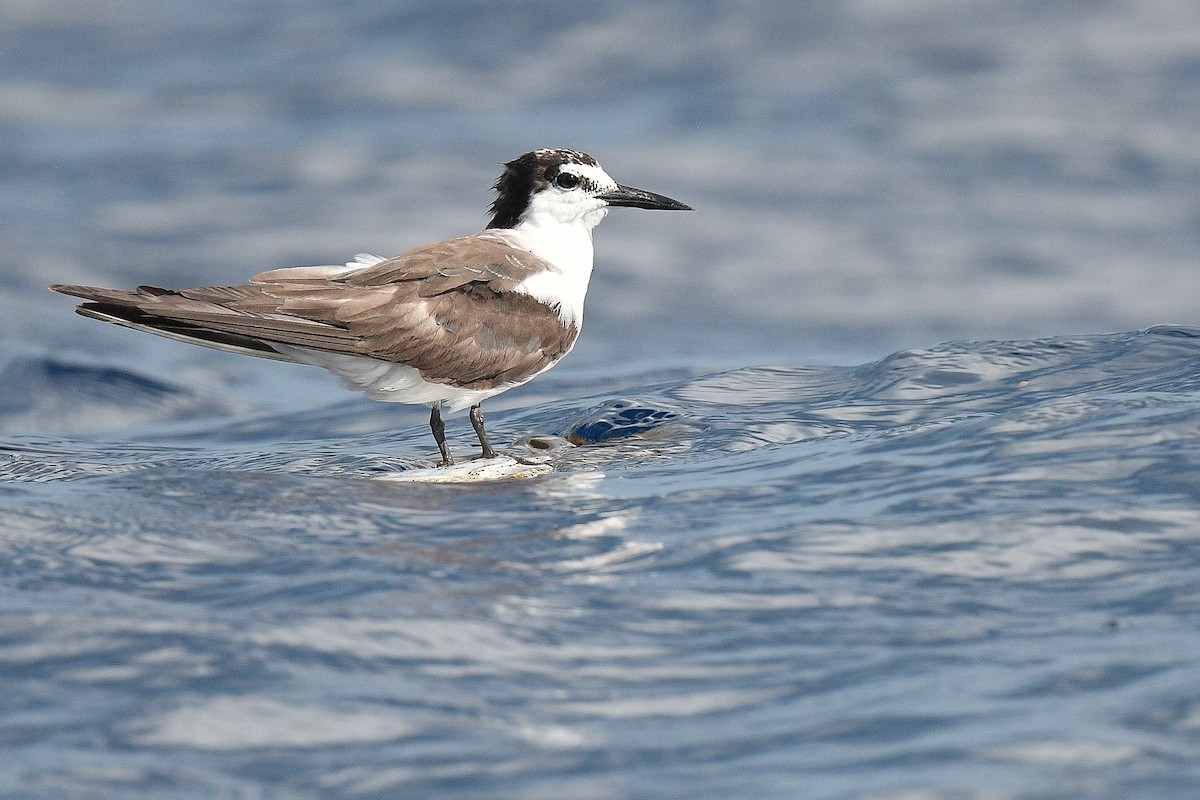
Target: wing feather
450	310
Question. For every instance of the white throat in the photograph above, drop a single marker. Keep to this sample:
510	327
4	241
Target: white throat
556	226
567	247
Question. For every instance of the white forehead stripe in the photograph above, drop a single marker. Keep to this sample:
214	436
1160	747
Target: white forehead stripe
591	173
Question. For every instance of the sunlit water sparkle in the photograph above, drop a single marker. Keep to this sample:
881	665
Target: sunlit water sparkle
974	560
772	561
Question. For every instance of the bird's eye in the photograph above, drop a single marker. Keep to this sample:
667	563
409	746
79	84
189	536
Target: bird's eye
566	180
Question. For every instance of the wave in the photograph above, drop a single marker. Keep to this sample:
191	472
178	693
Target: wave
967	395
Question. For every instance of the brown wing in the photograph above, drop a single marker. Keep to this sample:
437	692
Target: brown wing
443	266
447	309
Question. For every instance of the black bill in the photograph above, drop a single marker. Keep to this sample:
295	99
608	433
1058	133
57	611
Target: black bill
640	198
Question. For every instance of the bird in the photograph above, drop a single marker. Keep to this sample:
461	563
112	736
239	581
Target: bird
454	322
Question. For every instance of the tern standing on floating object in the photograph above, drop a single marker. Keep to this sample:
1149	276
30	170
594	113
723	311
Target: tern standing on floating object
454	322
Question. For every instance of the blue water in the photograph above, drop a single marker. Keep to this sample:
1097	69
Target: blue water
876	477
968	568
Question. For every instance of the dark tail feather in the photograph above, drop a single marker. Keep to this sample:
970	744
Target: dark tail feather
121	308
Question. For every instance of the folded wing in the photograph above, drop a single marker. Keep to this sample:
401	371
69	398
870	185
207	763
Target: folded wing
449	310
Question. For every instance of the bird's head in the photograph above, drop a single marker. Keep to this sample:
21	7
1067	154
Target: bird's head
564	187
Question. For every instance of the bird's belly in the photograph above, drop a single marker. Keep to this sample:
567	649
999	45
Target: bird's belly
390	382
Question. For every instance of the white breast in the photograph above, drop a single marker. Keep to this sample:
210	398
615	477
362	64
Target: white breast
568	249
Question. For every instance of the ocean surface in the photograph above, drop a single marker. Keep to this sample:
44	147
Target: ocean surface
877	477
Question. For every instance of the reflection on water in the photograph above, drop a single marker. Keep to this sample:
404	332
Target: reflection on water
950	556
965	570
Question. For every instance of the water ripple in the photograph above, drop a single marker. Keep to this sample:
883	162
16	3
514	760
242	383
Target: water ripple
906	561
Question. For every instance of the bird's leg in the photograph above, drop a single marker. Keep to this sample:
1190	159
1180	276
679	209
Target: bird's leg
439	434
477	424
